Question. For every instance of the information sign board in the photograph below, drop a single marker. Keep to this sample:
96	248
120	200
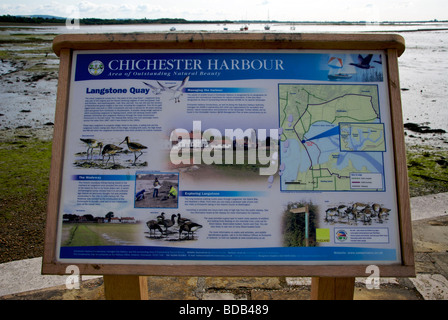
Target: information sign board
223	158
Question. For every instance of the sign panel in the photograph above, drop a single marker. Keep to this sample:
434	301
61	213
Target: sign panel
228	157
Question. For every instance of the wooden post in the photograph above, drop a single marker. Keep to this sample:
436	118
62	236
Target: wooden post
330	288
117	287
307	228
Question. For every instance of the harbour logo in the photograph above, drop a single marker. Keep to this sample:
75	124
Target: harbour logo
341	235
96	68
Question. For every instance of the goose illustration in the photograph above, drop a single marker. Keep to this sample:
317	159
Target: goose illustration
161	217
181	220
175	90
363	63
153	225
379	61
189	227
167	223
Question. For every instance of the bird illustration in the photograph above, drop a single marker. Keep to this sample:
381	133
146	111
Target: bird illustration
190	227
91	144
175	90
161	217
379	61
330	213
384	212
181	220
363	63
153	225
110	150
154	89
167	223
134	147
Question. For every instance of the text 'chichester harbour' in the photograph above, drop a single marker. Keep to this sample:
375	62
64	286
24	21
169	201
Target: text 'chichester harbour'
196	64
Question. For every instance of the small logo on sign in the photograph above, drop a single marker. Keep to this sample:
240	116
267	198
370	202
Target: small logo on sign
96	68
341	235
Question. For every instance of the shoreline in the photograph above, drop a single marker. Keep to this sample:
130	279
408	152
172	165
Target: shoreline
29	72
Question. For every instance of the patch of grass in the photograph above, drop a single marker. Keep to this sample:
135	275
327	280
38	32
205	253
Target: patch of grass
81	235
24	177
6	55
98	234
427	171
29	47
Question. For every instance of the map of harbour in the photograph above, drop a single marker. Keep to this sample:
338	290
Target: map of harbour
362	136
332	138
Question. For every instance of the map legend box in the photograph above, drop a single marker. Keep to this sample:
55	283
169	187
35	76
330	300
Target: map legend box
366	181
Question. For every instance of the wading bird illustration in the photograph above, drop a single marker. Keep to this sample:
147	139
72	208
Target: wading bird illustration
110	150
363	63
134	147
175	90
91	144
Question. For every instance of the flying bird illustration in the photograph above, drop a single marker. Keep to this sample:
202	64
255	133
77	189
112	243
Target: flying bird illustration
175	90
363	63
379	61
154	89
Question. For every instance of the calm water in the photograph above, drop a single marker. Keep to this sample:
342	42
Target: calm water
232	27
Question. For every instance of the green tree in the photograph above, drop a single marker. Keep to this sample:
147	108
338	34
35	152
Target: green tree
109	215
294	225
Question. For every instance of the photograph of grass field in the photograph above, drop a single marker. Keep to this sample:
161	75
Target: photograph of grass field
99	234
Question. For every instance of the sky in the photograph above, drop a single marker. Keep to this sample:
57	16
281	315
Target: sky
280	10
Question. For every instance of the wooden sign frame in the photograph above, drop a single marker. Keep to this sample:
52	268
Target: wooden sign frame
392	46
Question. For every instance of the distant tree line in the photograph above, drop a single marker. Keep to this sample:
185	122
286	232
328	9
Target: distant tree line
33	20
97	21
68	217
